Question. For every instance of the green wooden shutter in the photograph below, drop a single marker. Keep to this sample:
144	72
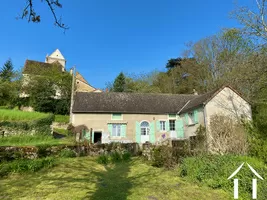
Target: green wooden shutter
110	129
167	125
87	136
93	136
137	132
196	116
123	130
179	128
158	125
186	118
152	137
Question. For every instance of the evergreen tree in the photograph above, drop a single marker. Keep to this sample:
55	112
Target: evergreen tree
119	83
7	71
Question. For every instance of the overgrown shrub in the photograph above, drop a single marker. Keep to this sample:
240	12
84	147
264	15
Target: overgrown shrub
103	159
21	166
226	135
67	153
214	170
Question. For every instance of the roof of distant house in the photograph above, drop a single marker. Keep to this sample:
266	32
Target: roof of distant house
37	68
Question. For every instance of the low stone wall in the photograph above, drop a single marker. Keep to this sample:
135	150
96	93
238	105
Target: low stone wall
32	152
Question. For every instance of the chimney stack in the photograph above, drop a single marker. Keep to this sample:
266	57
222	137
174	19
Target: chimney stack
195	92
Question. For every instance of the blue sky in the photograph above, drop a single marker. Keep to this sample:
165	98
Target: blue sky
107	37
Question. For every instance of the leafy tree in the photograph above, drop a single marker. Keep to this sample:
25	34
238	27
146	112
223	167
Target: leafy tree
253	20
50	92
7	71
9	84
119	83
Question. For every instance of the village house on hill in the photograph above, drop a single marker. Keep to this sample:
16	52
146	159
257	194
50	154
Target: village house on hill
135	117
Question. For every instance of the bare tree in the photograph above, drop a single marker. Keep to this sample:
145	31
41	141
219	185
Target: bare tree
30	14
254	20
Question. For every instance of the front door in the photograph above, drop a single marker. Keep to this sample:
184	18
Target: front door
144	131
173	133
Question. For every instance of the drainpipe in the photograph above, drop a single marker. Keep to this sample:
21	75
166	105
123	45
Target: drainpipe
72	92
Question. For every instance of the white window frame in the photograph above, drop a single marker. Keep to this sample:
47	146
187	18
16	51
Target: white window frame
118	129
161	122
146	129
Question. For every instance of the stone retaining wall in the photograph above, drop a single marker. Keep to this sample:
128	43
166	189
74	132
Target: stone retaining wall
32	152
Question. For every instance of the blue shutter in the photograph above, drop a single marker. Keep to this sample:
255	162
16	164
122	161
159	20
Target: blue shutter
137	132
179	128
87	136
196	116
123	130
158	126
152	137
110	129
186	118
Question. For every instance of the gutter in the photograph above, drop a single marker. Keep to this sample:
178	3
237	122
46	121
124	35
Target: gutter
183	107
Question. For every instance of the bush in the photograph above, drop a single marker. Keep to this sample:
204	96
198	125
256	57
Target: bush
67	153
162	156
103	159
22	166
226	136
214	170
114	157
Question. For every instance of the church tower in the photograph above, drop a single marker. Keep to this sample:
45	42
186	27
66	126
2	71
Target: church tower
56	56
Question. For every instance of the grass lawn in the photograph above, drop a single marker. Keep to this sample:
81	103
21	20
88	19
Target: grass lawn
28	140
18	115
83	178
62	118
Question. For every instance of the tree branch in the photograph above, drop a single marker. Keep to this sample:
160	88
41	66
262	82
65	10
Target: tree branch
29	12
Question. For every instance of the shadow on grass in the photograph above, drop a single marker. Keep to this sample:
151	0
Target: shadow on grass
112	183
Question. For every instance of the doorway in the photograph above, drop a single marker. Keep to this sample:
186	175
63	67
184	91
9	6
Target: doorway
97	137
172	129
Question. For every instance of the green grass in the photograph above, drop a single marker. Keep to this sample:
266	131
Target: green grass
62	118
28	140
25	165
61	131
18	115
84	178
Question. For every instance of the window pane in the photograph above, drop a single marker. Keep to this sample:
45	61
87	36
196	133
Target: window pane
143	131
114	128
119	130
172	125
162	125
144	124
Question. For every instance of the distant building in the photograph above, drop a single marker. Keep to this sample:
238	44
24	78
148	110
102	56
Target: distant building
55	61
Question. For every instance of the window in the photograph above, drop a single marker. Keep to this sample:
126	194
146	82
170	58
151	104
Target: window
162	125
191	118
116	116
144	128
116	130
172	125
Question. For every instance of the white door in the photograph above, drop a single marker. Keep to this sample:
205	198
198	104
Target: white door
173	133
144	131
